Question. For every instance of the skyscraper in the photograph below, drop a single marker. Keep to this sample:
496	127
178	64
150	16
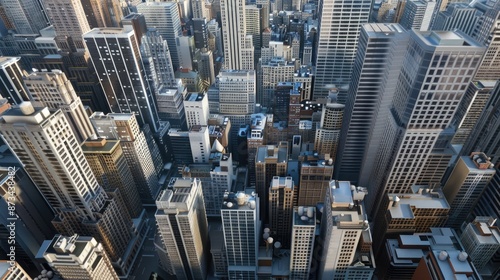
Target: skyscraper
282	197
28	17
196	108
183	228
241	226
11	77
416	128
488	33
238	48
78	258
315	176
339	26
303	236
481	240
122	74
236	92
378	61
157	59
417	14
327	135
458	15
55	91
103	13
164	16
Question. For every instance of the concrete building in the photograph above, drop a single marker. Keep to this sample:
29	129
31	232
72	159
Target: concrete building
165	17
236	92
27	17
282	199
222	176
315	176
445	264
339	25
196	109
378	61
199	140
11	77
465	184
417	15
183	228
344	229
241	227
412	146
275	71
170	103
55	91
139	156
488	33
77	258
156	55
481	240
13	271
255	137
103	13
122	74
302	245
327	136
457	16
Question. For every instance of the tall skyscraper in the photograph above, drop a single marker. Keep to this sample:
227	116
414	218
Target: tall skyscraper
238	47
28	17
241	226
465	184
103	13
416	129
270	74
46	145
315	176
481	240
378	61
11	77
156	56
418	14
236	92
303	236
343	230
139	157
164	16
457	16
282	197
77	258
488	33
339	26
69	20
183	228
122	74
170	103
327	136
55	91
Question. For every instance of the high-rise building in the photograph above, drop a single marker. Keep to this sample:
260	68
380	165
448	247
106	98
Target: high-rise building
116	58
55	91
198	9
155	48
11	76
481	240
238	47
378	61
199	140
183	228
77	258
303	236
417	14
165	17
457	16
275	71
327	136
282	199
12	271
241	226
339	26
315	176
344	229
270	161
488	33
415	133
69	20
108	163
170	103
139	156
28	17
196	108
205	67
445	264
221	176
236	92
103	13
465	184
46	145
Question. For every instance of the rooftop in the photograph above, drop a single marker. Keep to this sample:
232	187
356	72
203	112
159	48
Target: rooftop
94	146
240	201
304	216
424	200
195	96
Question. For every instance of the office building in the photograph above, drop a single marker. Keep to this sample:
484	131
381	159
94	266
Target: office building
339	25
77	258
12	272
108	163
165	17
327	136
488	33
183	228
122	74
465	184
69	21
344	229
401	255
275	71
139	156
205	65
27	17
270	161
199	10
170	103
241	227
155	52
55	91
445	264
238	46
236	92
282	199
255	137
412	142
196	108
378	61
417	15
481	240
315	176
178	141
103	13
11	76
303	236
457	16
200	32
199	141
81	203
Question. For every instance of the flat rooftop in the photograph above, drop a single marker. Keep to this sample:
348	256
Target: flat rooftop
194	97
108	147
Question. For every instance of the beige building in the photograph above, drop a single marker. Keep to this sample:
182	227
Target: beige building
9	272
328	134
302	245
315	176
